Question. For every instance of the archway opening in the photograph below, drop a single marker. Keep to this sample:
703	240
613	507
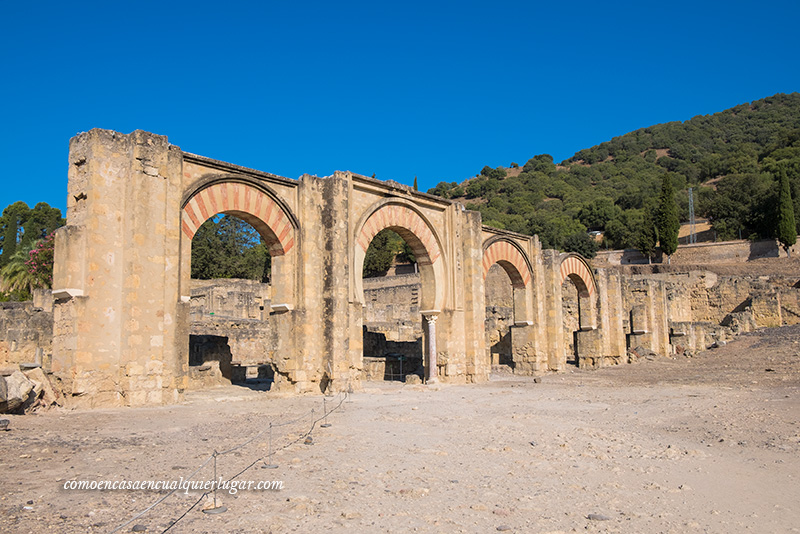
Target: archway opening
499	302
230	298
392	322
571	315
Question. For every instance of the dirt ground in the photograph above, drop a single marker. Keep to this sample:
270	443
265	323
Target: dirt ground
703	444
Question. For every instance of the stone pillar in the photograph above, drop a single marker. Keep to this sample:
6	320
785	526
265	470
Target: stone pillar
523	349
116	271
430	321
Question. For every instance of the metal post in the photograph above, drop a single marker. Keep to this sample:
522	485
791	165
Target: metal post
269	465
216	509
326	424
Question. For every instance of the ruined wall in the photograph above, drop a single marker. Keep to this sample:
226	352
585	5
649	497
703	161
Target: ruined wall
499	316
231	298
26	333
124	297
392	316
738	251
392	308
570	311
665	314
122	275
231	336
671	313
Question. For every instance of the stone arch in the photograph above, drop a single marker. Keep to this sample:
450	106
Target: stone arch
504	340
244	200
576	269
510	258
256	205
508	255
404	219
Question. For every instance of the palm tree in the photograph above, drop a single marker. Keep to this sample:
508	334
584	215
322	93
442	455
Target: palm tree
15	275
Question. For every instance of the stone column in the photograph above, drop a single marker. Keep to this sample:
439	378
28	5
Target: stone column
433	370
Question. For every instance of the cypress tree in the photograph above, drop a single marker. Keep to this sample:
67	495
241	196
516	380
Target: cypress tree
667	222
787	232
12	221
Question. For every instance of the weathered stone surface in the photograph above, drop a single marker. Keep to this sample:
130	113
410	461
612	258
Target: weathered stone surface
25	330
126	304
640	352
18	391
49	395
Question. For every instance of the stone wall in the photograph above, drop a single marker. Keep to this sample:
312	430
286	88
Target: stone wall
665	313
672	313
230	335
26	331
231	298
570	311
701	253
499	316
392	307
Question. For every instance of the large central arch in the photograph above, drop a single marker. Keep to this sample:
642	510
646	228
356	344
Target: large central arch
404	219
247	201
258	206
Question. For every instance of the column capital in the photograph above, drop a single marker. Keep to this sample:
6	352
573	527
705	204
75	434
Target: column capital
430	315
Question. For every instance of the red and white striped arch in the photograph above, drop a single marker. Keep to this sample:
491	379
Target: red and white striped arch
409	225
251	204
574	267
510	259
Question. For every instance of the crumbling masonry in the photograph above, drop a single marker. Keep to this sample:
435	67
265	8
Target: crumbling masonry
123	291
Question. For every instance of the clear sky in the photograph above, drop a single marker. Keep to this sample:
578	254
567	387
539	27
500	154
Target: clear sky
433	89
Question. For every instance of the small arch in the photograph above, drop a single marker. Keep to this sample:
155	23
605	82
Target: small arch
247	202
576	269
513	261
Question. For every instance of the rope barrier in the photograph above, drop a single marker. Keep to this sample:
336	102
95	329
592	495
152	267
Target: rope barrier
304	436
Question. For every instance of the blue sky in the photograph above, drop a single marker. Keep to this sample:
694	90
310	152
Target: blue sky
432	89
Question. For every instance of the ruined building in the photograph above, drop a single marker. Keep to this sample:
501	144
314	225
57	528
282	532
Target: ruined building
130	326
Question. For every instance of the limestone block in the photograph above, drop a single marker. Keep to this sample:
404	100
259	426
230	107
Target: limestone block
18	391
137	398
49	395
639	320
135	369
155	397
154	367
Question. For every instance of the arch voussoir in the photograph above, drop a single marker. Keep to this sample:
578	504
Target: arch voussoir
575	268
510	258
242	199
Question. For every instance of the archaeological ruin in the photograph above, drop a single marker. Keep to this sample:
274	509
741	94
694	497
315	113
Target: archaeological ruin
127	325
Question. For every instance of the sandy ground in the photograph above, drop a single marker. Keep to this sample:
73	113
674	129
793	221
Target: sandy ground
707	444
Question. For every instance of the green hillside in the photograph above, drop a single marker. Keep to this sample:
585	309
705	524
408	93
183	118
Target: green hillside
731	159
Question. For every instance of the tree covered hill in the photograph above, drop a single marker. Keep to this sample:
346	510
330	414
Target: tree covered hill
731	159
